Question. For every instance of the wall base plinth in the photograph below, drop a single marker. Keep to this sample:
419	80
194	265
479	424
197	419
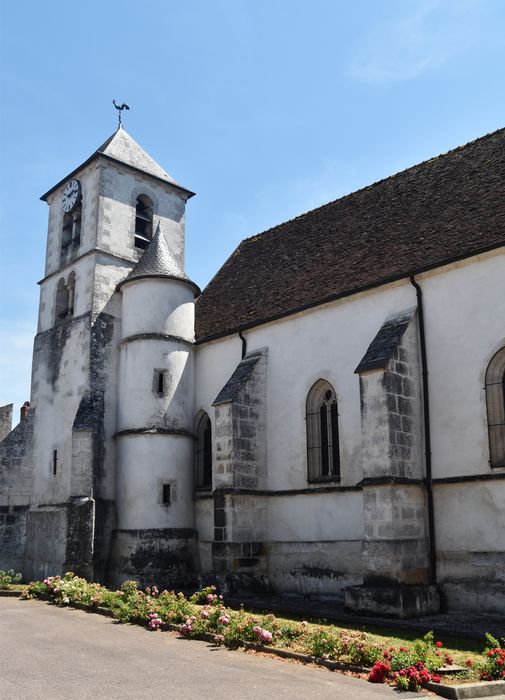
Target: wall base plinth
393	601
162	557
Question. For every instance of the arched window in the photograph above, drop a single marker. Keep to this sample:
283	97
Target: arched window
61	300
495	401
143	222
204	453
65	294
323	457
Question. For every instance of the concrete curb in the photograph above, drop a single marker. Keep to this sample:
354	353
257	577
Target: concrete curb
10	594
469	691
487	689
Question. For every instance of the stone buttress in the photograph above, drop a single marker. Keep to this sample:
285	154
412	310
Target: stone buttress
396	539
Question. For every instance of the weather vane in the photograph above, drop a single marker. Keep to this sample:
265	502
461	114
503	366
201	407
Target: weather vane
119	110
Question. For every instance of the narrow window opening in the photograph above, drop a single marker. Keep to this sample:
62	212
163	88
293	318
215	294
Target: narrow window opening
55	462
495	401
161	382
61	300
66	234
143	222
167	494
65	296
71	293
323	453
204	453
325	465
71	231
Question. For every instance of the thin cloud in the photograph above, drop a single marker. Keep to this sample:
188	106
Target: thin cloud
408	45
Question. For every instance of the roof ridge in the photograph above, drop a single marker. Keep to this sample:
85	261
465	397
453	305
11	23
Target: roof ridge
370	186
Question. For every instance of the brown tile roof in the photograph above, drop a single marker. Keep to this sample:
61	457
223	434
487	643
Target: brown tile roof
446	208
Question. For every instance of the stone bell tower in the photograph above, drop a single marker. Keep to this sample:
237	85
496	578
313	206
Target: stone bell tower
101	221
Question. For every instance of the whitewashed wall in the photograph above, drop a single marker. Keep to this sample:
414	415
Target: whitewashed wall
465	325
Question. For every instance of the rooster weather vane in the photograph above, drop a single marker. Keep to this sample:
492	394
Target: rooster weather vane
119	110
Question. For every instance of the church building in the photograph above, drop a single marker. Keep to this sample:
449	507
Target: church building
325	419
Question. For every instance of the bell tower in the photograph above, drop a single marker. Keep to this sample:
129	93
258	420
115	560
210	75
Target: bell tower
102	218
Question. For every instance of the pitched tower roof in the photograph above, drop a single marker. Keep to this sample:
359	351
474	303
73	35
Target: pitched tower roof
122	148
157	261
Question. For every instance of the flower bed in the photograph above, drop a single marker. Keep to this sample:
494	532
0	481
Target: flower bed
205	616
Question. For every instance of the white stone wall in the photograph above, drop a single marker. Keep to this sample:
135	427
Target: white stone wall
158	306
465	326
140	406
89	178
464	306
326	342
145	463
119	189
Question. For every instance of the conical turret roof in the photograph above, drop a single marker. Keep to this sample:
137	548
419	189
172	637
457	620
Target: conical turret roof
158	261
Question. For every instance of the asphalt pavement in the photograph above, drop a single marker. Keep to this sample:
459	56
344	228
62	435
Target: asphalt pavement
62	653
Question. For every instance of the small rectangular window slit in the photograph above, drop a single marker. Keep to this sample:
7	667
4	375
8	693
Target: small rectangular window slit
161	382
55	462
167	494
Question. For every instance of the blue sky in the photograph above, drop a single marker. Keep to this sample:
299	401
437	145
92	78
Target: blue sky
265	108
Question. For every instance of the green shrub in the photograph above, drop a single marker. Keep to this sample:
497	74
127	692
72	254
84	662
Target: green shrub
8	578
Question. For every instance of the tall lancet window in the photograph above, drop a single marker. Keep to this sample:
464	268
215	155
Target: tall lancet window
495	400
323	456
143	221
204	453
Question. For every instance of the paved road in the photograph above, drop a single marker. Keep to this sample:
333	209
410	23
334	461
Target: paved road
62	653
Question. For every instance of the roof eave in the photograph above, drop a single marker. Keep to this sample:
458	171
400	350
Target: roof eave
189	283
347	293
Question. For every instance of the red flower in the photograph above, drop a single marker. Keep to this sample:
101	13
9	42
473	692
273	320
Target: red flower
499	662
435	678
469	662
438	644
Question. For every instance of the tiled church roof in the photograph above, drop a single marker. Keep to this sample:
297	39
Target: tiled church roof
446	208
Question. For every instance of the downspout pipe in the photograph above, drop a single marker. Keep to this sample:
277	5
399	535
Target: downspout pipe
244	344
427	433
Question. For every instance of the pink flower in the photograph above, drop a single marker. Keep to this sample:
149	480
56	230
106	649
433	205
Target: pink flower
205	614
266	636
257	631
224	620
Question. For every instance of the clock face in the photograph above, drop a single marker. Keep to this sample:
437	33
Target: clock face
71	195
